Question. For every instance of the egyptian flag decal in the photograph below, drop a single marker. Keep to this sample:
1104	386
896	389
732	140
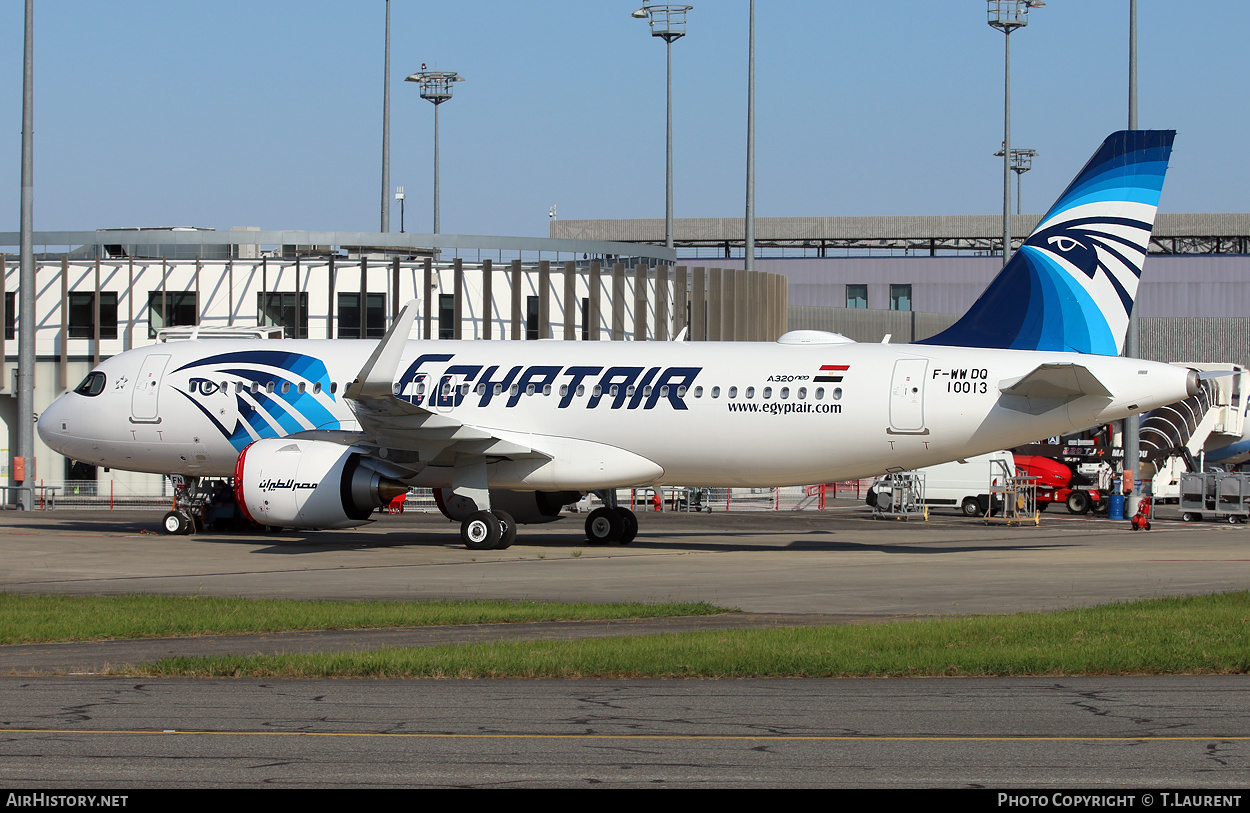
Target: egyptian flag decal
827	372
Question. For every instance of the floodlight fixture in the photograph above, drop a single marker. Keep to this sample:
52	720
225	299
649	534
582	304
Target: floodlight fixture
1007	16
667	21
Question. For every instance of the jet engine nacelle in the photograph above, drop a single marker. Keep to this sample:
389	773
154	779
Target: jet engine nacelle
309	484
525	507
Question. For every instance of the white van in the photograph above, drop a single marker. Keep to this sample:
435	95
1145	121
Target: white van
962	484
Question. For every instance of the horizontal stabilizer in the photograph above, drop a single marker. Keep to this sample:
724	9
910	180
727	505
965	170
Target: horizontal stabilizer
1056	381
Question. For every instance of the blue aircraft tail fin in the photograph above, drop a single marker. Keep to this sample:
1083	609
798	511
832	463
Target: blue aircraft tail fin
1071	285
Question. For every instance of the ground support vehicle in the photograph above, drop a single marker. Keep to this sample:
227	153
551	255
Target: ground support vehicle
1058	482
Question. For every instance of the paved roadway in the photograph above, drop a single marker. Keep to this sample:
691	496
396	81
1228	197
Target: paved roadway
838	562
107	733
835	566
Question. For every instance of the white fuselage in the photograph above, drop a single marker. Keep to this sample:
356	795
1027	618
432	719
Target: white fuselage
698	413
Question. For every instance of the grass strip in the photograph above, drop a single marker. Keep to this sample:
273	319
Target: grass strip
1185	635
43	619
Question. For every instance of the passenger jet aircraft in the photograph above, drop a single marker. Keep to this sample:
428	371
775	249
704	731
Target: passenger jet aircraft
509	432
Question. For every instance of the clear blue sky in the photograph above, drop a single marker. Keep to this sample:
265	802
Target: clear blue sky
268	112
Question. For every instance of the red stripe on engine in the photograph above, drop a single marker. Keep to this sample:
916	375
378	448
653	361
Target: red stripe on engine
238	483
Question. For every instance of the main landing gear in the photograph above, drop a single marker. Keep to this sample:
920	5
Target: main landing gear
488	530
610	522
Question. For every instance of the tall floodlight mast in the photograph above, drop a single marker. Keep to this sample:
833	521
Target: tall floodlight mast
669	23
386	126
1132	341
26	274
436	89
1007	16
749	219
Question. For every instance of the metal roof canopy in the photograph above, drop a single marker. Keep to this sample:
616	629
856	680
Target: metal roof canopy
1173	233
289	237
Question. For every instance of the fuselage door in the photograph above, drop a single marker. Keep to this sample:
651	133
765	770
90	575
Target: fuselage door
143	401
907	396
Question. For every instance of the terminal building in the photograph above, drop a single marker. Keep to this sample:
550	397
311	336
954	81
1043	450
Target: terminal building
905	278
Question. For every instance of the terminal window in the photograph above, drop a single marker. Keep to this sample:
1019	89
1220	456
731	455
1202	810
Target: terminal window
171	309
900	297
446	316
81	321
531	318
10	315
349	316
290	310
857	296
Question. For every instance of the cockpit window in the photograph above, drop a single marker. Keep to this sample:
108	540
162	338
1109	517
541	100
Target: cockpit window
93	384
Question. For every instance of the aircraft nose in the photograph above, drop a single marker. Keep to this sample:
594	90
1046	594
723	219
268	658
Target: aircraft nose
53	423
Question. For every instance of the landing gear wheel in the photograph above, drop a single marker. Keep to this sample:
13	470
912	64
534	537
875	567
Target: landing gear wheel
970	507
629	525
1078	503
507	529
177	523
481	531
604	525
